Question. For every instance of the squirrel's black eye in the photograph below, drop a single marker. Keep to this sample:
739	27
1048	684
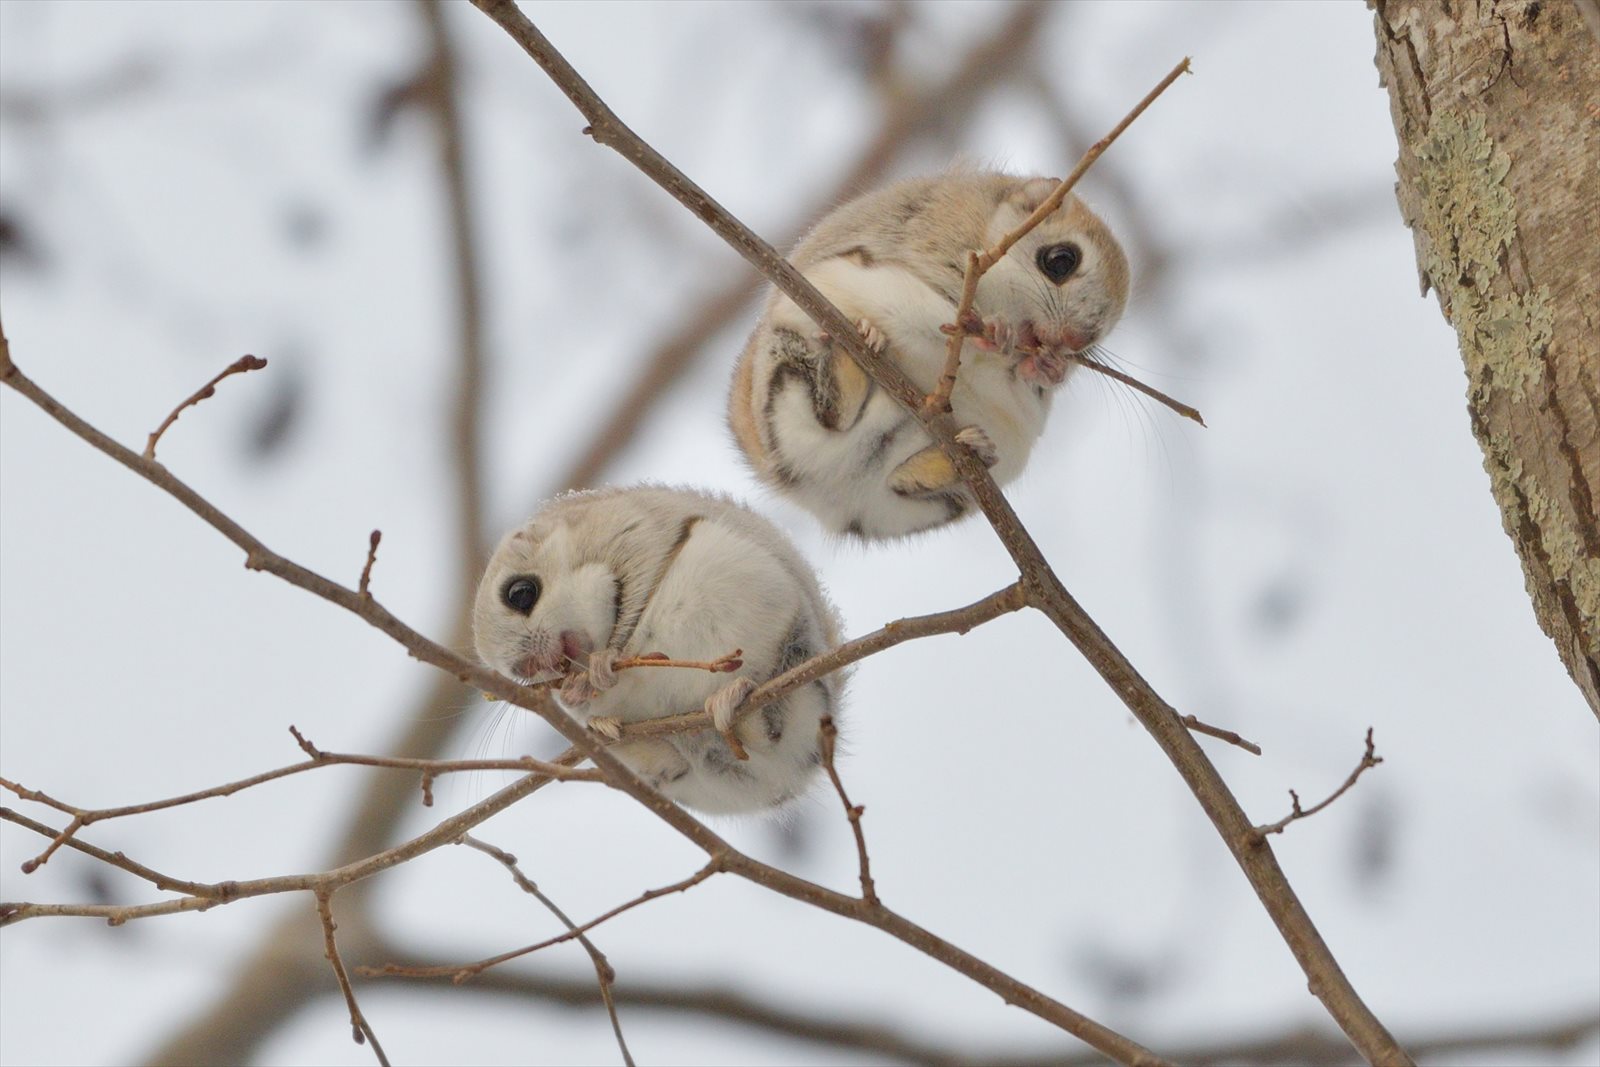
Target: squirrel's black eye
1059	261
521	593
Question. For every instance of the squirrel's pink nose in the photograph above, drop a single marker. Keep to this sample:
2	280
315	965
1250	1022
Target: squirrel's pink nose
574	645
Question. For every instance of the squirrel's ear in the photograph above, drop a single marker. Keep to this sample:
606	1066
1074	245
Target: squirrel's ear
1033	193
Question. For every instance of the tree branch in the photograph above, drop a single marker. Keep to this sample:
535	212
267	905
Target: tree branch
956	621
361	1030
603	971
460	972
1370	758
1044	590
853	812
205	392
616	774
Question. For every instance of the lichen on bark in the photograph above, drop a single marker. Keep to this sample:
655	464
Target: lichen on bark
1461	181
1499	174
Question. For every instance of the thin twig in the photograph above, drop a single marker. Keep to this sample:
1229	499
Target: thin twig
82	817
112	859
721	665
1042	586
966	324
1133	383
830	734
372	557
979	263
916	1042
957	621
259	557
361	1030
603	970
238	366
1220	734
1369	758
463	971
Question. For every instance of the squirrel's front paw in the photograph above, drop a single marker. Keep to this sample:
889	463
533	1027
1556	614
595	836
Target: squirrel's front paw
998	335
583	685
872	335
722	704
980	444
607	727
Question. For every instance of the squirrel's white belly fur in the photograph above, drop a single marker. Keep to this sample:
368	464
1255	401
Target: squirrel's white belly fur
611	574
842	475
719	595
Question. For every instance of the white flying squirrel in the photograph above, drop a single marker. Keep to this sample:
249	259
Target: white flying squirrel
600	575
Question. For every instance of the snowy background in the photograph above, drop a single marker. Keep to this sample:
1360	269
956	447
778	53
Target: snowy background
182	183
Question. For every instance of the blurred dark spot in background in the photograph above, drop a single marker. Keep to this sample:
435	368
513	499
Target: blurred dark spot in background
18	247
1374	848
305	225
278	407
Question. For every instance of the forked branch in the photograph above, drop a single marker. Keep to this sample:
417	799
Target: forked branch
603	971
259	557
853	812
1042	587
360	1029
1369	759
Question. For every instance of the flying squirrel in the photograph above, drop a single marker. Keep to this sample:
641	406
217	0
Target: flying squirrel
817	429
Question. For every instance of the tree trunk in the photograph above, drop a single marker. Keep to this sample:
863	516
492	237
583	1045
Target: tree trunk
1496	106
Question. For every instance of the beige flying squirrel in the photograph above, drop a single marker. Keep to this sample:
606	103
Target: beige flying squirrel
816	428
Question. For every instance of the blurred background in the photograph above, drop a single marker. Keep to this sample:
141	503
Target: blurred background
467	306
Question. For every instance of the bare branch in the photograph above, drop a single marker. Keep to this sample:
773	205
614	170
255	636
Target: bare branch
113	859
1370	758
361	1030
1043	588
201	896
82	817
830	734
372	557
238	366
1133	383
462	972
956	621
1220	734
1300	1044
259	557
230	1030
602	967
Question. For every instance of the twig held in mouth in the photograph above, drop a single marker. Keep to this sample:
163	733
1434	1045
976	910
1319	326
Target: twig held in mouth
978	263
1133	383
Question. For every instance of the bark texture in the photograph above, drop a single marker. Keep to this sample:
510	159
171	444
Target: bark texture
1496	105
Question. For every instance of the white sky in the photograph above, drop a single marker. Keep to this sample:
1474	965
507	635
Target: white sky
1325	557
